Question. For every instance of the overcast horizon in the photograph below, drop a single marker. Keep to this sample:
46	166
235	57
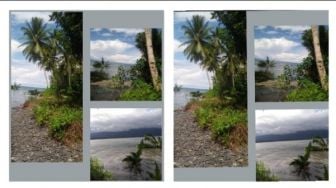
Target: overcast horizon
124	119
284	122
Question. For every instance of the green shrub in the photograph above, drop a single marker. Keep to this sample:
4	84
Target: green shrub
224	121
261	76
42	114
219	120
61	119
141	91
97	171
57	118
307	91
263	173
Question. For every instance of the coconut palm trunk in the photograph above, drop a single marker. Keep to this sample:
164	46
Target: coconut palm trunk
151	60
318	57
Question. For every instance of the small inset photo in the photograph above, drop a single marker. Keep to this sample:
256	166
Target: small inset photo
291	63
126	64
126	144
292	145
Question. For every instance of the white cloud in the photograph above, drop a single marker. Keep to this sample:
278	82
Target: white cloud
113	45
24	16
123	119
177	46
289	121
114	50
15	47
279	49
28	74
183	16
126	31
190	75
293	29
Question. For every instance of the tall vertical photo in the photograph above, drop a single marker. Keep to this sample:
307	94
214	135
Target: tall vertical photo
210	92
46	86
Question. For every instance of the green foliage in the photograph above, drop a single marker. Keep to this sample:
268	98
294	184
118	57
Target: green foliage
261	76
301	163
61	119
307	91
320	144
263	173
98	75
325	174
156	175
150	141
133	161
139	91
97	171
57	117
284	80
219	120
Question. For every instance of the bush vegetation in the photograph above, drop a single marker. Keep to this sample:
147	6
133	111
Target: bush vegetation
139	91
307	91
263	173
97	171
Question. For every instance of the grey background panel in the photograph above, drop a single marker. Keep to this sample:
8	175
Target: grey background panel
124	19
257	18
117	19
273	18
81	171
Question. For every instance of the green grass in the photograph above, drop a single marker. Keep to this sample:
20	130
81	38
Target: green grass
141	91
264	174
221	120
57	117
308	91
97	171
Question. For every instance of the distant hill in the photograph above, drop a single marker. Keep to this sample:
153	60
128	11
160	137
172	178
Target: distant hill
301	135
127	134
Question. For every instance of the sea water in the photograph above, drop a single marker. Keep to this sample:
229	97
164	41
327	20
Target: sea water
278	155
111	152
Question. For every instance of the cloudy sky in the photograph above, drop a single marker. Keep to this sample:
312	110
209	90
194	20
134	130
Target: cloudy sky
279	122
24	72
281	43
186	73
114	44
123	119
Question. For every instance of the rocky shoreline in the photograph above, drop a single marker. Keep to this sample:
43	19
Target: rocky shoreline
193	146
31	143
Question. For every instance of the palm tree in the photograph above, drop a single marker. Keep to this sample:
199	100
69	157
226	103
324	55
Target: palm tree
321	144
318	57
134	162
156	175
150	141
197	32
36	42
301	163
267	64
151	60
